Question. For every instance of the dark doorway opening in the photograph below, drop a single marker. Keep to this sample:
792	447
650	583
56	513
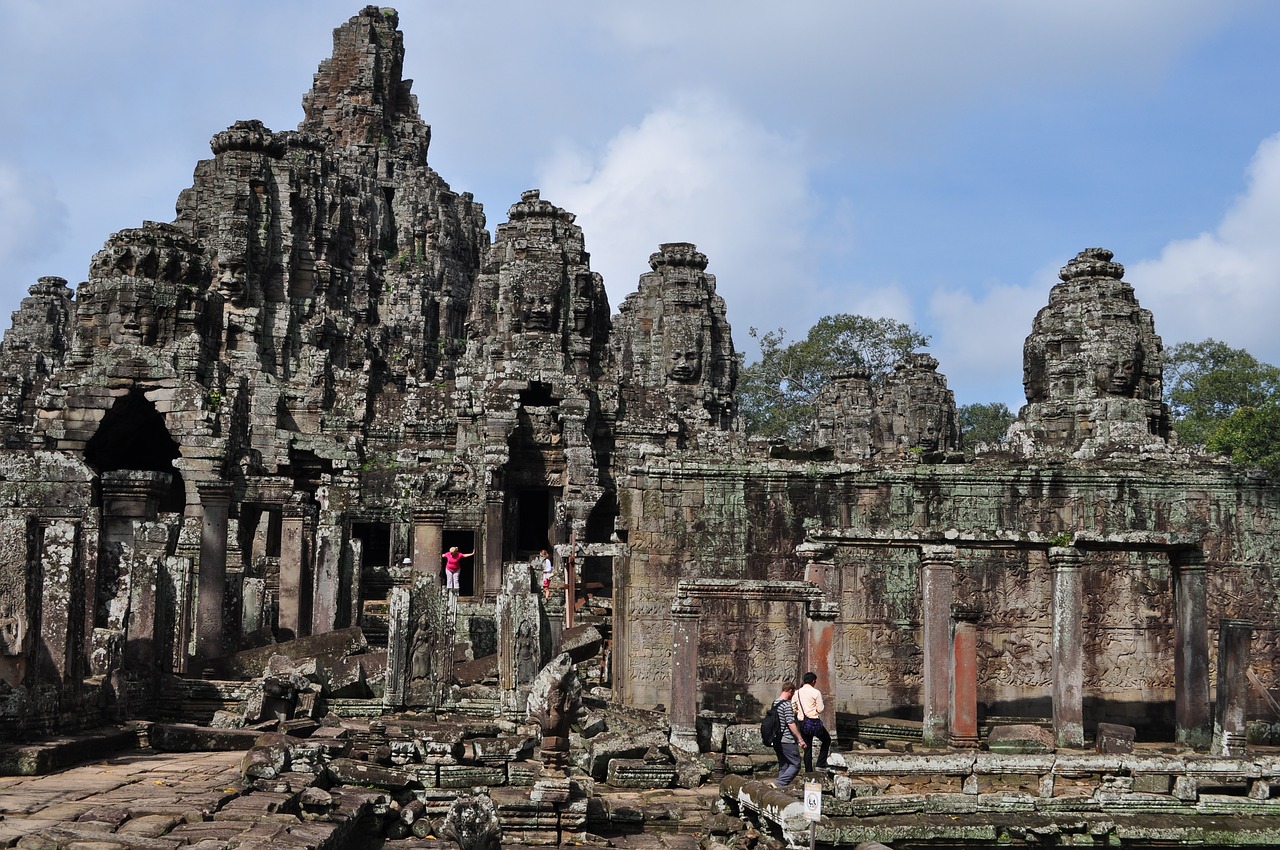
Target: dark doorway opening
133	435
375	579
375	539
535	515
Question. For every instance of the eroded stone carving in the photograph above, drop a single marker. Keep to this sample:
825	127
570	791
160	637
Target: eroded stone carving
1092	365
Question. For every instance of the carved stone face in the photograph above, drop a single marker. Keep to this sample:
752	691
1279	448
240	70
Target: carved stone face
682	345
539	311
230	276
137	320
1118	377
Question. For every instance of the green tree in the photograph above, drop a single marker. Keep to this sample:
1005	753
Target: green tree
776	393
1206	382
1251	436
983	423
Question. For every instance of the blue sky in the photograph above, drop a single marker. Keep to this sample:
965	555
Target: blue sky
935	162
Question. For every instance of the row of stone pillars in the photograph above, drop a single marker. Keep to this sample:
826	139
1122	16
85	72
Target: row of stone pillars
951	671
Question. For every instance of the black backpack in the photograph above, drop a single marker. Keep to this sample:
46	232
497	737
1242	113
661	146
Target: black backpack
771	727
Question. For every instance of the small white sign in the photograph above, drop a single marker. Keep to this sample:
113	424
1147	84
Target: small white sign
813	801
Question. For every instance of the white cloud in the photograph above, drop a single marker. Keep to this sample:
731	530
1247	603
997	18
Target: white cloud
33	221
699	170
695	170
1225	283
978	340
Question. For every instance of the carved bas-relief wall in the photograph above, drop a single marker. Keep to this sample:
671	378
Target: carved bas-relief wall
268	419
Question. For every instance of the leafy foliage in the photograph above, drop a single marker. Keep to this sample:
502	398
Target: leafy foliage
983	423
776	393
1251	436
1207	382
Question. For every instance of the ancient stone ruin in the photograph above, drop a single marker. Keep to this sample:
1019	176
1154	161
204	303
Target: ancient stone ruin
233	458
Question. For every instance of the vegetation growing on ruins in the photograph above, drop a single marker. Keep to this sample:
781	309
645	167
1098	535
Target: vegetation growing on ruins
776	393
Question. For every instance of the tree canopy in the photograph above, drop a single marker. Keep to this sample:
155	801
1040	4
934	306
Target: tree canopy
983	423
1251	437
1227	400
776	393
1206	382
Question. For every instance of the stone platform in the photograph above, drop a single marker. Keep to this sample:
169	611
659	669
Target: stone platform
978	799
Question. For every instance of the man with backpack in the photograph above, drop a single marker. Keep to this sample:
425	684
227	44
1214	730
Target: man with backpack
788	743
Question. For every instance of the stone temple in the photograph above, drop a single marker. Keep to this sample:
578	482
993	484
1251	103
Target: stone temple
251	433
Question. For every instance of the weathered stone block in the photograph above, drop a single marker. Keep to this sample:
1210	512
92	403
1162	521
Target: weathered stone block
181	738
1020	738
636	773
743	739
612	745
1114	738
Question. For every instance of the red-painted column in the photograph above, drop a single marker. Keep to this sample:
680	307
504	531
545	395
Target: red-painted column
964	675
820	627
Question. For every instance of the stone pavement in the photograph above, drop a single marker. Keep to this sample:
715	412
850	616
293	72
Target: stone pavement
131	800
161	801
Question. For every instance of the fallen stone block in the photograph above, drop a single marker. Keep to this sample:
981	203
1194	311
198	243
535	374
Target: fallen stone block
1020	738
474	672
637	773
186	738
1114	738
499	750
581	642
350	772
608	746
252	663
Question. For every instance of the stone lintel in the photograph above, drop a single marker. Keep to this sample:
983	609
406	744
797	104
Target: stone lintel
724	588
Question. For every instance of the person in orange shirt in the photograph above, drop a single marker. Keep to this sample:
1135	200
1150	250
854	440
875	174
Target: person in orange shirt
809	707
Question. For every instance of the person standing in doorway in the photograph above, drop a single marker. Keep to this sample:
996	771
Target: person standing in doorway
808	704
789	742
452	566
547	569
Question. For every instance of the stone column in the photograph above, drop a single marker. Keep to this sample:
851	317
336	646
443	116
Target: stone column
685	616
490	582
519	615
1229	738
428	540
398	634
964	675
326	575
937	570
1191	650
211	583
57	643
292	557
1068	646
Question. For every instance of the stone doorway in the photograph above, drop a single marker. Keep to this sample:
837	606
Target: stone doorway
133	435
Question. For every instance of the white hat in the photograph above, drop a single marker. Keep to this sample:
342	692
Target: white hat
407	561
